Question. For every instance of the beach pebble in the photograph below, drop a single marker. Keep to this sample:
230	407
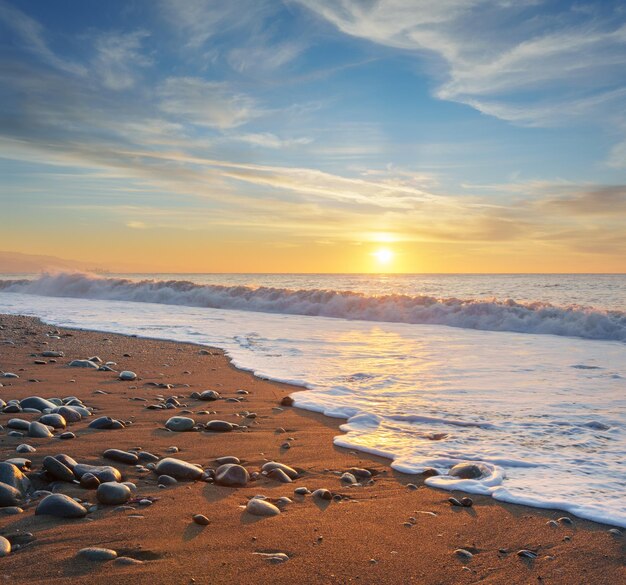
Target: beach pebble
467	502
227	459
209	395
469	470
38	430
57	469
121	456
201	519
83	364
286	401
97	554
527	554
105	473
5	547
322	494
9	495
464	554
178	469
411	486
67	435
180	424
37	403
70	414
348	478
219	426
271	465
301	491
10	375
102	422
167	480
56	421
126	561
112	494
275	557
24	448
565	520
232	475
52	354
616	532
258	507
127	376
278	474
89	481
61	506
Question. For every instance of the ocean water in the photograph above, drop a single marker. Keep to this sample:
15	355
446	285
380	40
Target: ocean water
524	373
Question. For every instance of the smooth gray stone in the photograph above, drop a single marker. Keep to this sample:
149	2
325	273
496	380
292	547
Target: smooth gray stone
10	375
57	470
9	496
105	473
180	424
18	423
147	456
348	478
121	456
69	413
5	547
25	448
15	434
83	364
359	472
232	475
11	510
112	493
209	395
67	435
89	481
52	354
322	494
127	376
12	408
61	506
178	469
258	507
167	480
97	554
56	421
219	426
102	422
279	475
21	463
469	470
11	475
289	471
227	459
37	402
66	460
37	430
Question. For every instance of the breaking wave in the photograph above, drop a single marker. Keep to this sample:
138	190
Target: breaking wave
486	315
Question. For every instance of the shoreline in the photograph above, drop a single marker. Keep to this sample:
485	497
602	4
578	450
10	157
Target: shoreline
391	521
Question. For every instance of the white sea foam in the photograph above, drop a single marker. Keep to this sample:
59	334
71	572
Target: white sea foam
473	313
552	433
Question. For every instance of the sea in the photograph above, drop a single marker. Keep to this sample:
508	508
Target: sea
525	374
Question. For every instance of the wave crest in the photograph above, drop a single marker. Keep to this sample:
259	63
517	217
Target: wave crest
487	315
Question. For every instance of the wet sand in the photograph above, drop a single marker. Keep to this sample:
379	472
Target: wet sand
362	538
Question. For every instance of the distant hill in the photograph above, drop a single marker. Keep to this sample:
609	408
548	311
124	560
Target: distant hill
18	262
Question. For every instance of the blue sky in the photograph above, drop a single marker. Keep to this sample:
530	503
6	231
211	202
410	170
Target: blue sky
457	131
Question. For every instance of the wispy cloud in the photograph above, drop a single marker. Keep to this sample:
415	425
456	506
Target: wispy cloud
117	57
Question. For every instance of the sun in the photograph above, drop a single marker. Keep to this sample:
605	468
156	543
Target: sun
383	256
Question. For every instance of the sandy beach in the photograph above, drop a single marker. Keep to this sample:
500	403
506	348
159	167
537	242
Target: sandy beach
378	531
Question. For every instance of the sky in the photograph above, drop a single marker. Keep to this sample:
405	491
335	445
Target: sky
315	135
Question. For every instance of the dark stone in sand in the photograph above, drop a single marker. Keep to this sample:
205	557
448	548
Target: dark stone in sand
21	463
97	554
219	426
289	471
121	456
38	430
180	424
61	506
25	448
232	475
209	395
83	364
66	460
112	493
279	475
102	422
167	480
56	421
286	401
429	472
67	435
127	376
178	469
322	494
89	481
38	403
70	414
9	496
469	470
105	473
11	475
146	456
5	547
227	459
18	423
201	519
258	507
52	354
12	408
55	468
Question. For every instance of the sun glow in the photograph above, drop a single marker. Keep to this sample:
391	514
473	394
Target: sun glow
383	256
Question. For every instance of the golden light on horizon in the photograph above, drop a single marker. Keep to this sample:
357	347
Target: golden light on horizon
384	256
